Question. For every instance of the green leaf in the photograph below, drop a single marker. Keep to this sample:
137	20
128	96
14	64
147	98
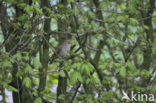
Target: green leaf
6	63
85	69
70	1
62	74
27	25
34	92
20	72
133	21
104	4
22	4
36	81
146	27
87	81
28	9
76	65
75	101
62	96
80	78
27	82
146	74
23	17
36	62
38	100
76	11
121	5
90	14
10	1
26	57
11	88
18	56
28	69
123	71
131	65
74	77
37	10
122	18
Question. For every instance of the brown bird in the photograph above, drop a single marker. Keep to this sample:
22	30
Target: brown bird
61	51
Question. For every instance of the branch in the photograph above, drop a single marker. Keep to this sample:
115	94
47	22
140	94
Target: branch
111	53
76	90
5	41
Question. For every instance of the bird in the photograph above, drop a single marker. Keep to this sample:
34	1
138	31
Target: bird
61	51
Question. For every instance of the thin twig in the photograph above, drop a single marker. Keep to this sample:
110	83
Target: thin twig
5	41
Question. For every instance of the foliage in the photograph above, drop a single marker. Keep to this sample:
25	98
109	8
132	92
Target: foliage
113	50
